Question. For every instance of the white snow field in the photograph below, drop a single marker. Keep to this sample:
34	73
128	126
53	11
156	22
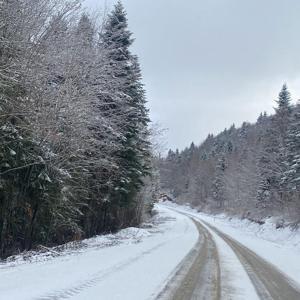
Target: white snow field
136	266
281	247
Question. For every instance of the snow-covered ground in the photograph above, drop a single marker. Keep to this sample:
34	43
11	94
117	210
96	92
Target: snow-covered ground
281	247
137	263
133	264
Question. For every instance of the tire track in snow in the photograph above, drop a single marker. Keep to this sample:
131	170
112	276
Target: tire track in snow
226	284
94	279
198	275
270	283
203	280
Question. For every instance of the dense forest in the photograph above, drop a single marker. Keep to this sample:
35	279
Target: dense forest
75	156
252	171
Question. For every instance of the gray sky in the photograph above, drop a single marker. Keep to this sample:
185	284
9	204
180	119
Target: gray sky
210	63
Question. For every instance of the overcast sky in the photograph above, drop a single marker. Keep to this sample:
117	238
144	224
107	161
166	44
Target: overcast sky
210	63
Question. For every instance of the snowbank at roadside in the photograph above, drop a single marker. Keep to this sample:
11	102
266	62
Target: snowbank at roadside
124	236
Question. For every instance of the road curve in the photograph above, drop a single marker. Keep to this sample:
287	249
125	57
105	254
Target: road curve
270	283
202	280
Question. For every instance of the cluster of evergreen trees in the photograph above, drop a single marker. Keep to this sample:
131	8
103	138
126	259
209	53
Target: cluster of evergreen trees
75	155
252	171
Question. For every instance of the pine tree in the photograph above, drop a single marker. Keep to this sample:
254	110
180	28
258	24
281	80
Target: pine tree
218	186
269	167
292	175
134	151
85	31
283	114
281	122
284	102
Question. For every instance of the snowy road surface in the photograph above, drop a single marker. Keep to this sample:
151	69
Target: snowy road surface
235	271
184	256
135	269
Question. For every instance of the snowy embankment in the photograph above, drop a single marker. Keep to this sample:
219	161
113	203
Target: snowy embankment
281	247
133	264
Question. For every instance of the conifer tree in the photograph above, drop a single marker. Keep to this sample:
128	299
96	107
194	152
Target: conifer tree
292	174
283	109
281	121
85	30
218	186
134	153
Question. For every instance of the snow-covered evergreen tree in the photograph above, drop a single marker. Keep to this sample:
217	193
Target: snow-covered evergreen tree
292	175
218	186
283	110
134	152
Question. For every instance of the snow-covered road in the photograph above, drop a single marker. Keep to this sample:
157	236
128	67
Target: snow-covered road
185	255
243	273
134	269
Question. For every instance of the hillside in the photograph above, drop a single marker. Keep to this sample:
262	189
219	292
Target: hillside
252	171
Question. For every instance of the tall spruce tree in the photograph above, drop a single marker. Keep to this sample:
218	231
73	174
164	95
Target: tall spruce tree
283	109
281	122
134	152
292	174
218	186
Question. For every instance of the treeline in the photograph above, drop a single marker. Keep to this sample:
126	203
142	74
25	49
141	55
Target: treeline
252	171
75	156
